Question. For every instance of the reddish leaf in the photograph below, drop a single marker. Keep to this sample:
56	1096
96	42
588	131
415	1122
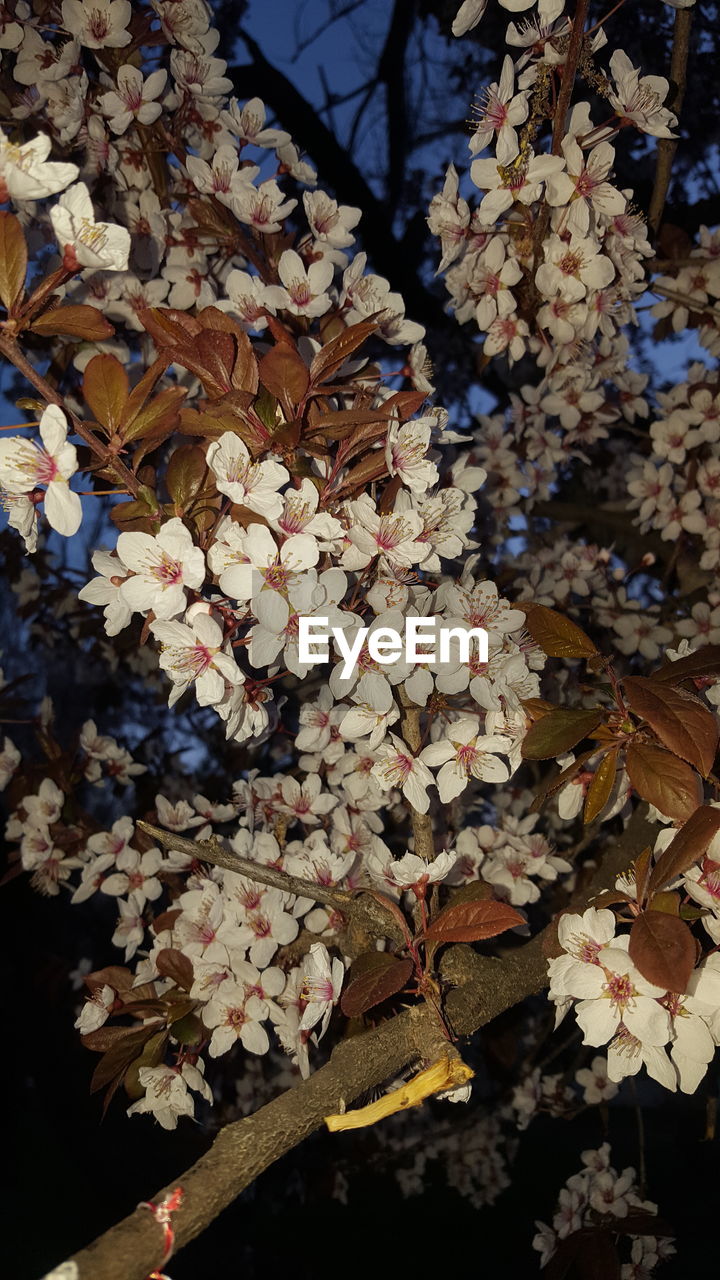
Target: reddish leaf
176	965
117	1059
76	321
680	721
703	662
242	365
557	636
663	949
662	779
13	259
373	977
558	780
472	921
105	388
558	731
335	352
687	847
600	789
284	374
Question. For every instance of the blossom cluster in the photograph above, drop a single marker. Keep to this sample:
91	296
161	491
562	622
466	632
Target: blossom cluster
598	1194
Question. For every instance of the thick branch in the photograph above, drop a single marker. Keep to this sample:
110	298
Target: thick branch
486	987
668	146
421	822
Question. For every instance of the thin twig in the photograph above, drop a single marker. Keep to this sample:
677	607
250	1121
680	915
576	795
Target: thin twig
668	146
10	349
213	851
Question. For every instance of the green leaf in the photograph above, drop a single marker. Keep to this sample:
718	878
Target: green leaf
186	474
559	731
600	789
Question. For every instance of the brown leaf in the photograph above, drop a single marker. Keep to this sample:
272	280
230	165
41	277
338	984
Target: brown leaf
600	789
558	731
186	474
242	366
703	662
687	847
472	921
641	868
76	321
13	259
105	388
335	352
557	636
159	418
663	949
176	965
373	977
113	975
681	722
665	781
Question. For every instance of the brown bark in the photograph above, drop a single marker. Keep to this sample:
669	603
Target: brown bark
484	988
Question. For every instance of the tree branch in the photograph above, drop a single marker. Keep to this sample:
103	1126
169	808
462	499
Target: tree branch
334	161
363	910
668	146
484	988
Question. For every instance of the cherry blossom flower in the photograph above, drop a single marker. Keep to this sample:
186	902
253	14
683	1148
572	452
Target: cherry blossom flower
595	1083
134	98
413	872
83	241
98	24
498	113
321	980
330	222
638	99
105	590
26	173
251	484
303	291
167	1095
162	568
466	753
196	654
24	465
248	124
396	767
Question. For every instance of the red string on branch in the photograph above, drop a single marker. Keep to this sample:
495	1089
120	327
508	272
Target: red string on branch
161	1213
